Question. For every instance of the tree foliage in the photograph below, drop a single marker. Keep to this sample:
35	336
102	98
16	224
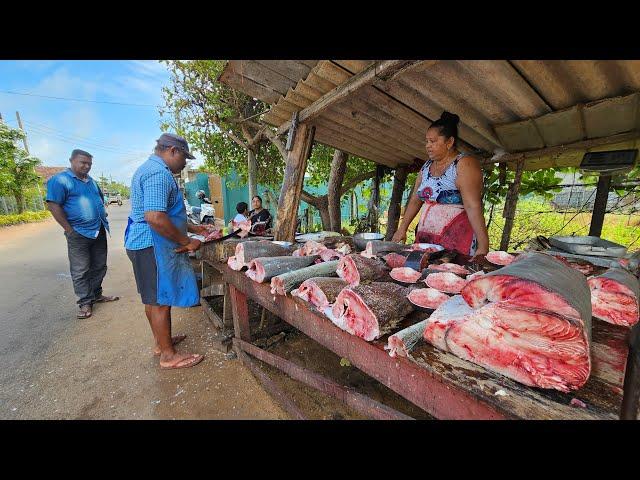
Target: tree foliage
17	167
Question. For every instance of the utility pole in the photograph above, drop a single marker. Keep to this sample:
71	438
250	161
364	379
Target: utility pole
26	147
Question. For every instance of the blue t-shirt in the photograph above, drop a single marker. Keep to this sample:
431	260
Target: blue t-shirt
82	202
153	189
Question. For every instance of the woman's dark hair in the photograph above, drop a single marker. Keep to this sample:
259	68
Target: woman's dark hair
258	197
242	207
447	125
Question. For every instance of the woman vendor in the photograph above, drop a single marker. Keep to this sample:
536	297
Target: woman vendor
450	185
260	217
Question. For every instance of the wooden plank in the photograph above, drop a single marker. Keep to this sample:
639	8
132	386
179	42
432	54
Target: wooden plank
364	143
328	138
292	184
347	395
584	145
240	310
249	87
452	102
347	88
274	390
331	72
292	69
264	76
211	315
509	212
227	310
600	205
354	66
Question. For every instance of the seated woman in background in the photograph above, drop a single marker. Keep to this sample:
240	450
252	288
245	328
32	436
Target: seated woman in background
260	217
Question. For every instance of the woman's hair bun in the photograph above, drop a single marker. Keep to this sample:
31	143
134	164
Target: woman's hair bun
450	118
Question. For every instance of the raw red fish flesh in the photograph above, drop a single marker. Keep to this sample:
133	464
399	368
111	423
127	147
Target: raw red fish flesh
244	226
614	297
376	247
283	283
369	311
500	258
405	340
394	260
451	311
328	254
450	267
426	247
320	292
427	297
446	282
405	275
234	264
529	321
265	268
355	268
213	235
474	275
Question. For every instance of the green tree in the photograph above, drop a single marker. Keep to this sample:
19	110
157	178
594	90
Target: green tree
17	167
226	126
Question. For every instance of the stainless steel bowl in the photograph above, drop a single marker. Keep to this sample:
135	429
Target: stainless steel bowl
360	239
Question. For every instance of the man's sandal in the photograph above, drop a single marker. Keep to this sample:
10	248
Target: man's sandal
106	298
186	362
85	311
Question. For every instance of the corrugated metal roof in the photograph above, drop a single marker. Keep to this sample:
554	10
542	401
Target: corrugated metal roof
511	106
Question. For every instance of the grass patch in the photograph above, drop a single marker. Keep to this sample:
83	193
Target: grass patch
24	217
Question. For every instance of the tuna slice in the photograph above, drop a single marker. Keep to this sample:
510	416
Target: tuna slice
405	275
265	268
614	297
418	260
427	298
395	260
282	284
369	311
234	264
536	328
474	275
404	341
376	247
320	292
247	251
355	268
533	347
452	311
446	282
500	258
450	267
538	281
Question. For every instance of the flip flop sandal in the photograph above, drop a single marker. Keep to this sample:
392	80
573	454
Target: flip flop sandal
105	299
174	341
194	361
84	313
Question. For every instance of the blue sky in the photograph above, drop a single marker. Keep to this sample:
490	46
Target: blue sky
120	137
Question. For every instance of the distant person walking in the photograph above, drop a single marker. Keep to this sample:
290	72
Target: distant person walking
77	203
157	245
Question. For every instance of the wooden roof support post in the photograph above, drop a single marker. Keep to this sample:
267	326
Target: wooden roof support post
509	212
375	199
292	183
600	205
393	215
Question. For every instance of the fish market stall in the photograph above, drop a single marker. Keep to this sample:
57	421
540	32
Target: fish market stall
439	382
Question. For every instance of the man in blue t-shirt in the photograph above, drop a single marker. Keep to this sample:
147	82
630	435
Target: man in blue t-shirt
77	204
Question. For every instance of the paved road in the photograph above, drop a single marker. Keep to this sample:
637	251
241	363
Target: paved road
55	366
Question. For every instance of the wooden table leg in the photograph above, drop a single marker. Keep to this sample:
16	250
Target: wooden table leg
240	310
227	313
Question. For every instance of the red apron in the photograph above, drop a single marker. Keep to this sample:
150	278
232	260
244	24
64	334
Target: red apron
447	225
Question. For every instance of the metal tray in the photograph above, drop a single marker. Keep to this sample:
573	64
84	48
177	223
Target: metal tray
586	245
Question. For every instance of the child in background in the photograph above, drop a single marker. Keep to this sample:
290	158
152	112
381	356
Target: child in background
242	208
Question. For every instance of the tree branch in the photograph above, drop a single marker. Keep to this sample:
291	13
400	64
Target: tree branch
276	141
356	180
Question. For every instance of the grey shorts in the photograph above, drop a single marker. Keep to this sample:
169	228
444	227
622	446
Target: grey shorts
146	274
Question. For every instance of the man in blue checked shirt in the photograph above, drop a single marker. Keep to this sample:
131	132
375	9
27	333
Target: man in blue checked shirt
157	245
77	204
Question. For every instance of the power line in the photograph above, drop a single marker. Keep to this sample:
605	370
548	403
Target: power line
79	99
42	128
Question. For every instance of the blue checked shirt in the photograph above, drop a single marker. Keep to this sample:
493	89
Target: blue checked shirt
153	188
